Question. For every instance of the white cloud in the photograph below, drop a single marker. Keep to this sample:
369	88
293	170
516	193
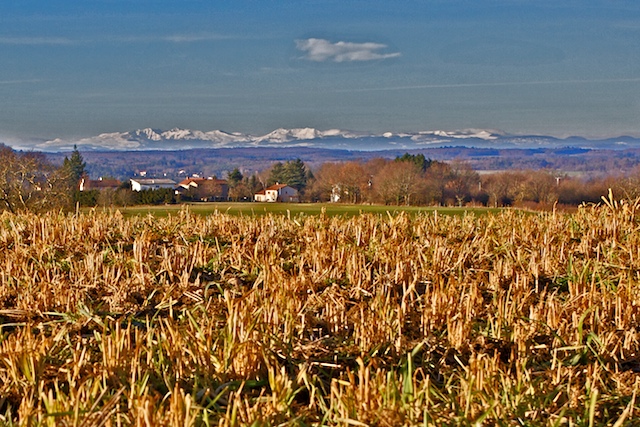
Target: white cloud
320	50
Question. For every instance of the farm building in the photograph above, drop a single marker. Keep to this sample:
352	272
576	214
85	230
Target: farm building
87	184
205	189
277	193
151	184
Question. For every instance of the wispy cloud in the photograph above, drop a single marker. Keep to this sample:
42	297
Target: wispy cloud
321	50
35	41
170	38
189	38
18	82
491	84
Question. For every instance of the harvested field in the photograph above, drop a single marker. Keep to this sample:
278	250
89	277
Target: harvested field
496	319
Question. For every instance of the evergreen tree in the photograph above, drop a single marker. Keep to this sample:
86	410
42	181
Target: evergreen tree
295	173
234	177
75	166
418	159
253	183
277	174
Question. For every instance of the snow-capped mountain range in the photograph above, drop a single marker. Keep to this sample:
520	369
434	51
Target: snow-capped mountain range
183	139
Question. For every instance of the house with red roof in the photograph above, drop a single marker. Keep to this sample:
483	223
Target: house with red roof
277	193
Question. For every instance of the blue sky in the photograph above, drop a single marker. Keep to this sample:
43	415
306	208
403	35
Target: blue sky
79	68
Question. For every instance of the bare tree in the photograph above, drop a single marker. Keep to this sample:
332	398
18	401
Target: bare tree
542	186
463	179
498	187
341	182
438	177
399	183
29	182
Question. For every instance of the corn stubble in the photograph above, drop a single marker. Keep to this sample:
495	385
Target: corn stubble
507	319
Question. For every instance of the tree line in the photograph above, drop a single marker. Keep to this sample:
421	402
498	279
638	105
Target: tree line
413	179
416	180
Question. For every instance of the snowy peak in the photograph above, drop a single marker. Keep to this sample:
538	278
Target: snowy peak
148	134
283	135
177	134
225	137
287	135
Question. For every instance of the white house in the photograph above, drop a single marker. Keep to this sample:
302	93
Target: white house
336	193
151	184
260	196
277	193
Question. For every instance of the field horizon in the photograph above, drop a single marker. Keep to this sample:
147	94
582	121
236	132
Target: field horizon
291	209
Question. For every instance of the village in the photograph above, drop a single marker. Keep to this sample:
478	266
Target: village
210	189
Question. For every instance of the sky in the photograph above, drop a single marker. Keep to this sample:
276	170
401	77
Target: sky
72	68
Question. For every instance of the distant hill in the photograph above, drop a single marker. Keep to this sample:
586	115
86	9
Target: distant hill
219	161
